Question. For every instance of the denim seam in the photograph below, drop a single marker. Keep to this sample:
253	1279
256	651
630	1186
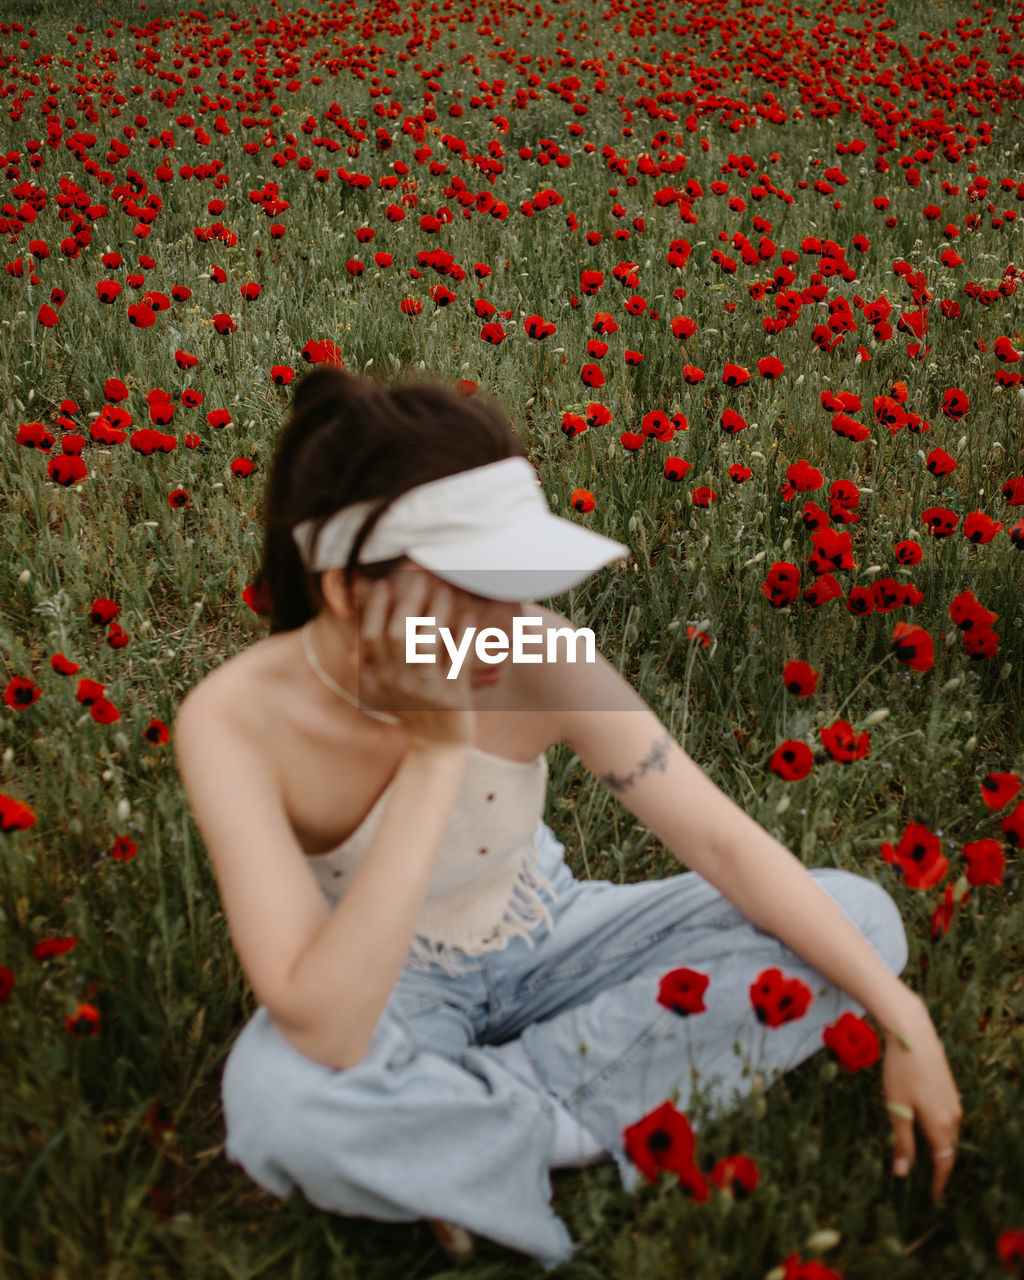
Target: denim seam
645	1040
574	971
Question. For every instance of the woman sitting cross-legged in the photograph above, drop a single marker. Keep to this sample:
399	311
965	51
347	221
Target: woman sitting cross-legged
445	1013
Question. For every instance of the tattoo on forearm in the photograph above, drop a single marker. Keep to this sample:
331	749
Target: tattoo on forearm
656	758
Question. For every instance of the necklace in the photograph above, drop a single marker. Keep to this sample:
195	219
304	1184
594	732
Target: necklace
307	644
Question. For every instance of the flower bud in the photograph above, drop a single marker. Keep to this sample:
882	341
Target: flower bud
876	717
783	805
124	810
950	685
970	744
822	1239
25	576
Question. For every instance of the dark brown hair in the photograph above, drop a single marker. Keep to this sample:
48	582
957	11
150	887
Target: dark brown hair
352	439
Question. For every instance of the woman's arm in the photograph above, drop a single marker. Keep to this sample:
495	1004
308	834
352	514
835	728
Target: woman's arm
637	759
630	751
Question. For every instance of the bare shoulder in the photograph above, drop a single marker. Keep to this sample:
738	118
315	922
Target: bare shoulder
229	694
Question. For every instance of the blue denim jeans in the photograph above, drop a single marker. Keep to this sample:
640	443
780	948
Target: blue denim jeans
434	1124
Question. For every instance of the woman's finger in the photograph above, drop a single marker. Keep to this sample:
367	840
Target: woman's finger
373	646
901	1115
943	1161
942	1139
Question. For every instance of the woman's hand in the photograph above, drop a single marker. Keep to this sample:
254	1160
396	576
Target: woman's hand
438	712
919	1084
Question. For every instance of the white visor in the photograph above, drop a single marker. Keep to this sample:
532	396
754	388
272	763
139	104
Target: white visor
488	530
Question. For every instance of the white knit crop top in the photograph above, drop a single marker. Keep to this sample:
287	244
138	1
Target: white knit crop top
484	890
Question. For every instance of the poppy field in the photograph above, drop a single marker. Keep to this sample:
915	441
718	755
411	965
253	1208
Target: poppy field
749	279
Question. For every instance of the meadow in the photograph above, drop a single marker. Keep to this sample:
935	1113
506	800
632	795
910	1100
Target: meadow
748	278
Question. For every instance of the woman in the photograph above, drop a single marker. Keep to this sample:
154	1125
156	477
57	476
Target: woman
444	1012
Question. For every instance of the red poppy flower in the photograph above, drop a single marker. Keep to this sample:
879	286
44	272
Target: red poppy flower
682	991
736	1176
1003	350
998	789
592	376
537	327
676	468
800	678
282	374
493	333
581	500
778	999
941	521
124	849
734	375
852	1042
683	327
50	947
1010	1251
955	403
985	861
108	290
141	315
692	375
604	324
223	323
919	856
843	744
15	816
658	424
791	760
661	1141
85	1021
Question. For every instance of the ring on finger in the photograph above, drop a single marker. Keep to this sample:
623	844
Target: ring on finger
900	1109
